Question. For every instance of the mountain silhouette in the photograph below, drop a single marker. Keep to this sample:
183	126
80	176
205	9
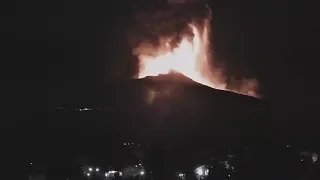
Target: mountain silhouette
173	107
168	109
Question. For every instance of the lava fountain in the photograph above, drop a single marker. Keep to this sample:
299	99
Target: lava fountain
191	56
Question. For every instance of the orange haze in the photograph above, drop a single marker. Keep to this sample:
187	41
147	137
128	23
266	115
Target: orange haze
191	57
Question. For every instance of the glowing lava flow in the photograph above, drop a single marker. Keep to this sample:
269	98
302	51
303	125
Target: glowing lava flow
190	57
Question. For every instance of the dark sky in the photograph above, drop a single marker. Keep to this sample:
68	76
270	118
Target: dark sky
63	52
75	44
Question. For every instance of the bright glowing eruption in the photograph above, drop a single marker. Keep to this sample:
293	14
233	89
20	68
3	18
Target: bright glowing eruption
191	57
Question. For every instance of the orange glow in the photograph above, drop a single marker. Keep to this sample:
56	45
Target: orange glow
190	57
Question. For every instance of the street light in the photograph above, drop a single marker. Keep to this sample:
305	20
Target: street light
111	174
202	171
181	176
141	175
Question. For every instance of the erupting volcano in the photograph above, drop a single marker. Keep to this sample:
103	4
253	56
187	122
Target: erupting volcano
191	56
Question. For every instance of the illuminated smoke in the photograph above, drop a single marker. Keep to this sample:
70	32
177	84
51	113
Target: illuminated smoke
184	46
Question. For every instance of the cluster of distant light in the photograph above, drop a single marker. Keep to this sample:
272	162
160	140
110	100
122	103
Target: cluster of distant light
128	144
181	175
89	171
84	109
135	170
314	156
79	109
112	174
200	172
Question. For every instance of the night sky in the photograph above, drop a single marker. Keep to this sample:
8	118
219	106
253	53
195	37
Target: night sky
70	53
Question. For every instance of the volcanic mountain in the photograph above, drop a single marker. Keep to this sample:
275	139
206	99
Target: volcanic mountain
168	108
173	106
